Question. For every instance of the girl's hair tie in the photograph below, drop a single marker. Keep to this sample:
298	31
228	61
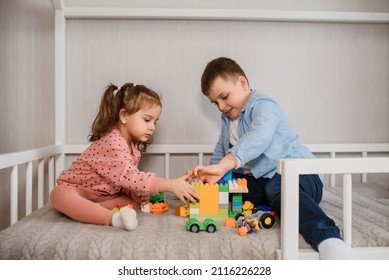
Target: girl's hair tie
134	85
116	90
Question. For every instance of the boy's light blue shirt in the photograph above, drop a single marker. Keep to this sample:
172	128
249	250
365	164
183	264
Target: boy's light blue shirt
265	136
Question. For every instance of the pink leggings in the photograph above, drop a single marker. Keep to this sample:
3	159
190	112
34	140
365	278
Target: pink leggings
87	207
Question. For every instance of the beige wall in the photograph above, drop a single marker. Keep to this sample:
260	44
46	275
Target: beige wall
27	84
331	79
26	74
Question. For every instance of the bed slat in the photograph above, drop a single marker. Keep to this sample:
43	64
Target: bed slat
14	193
41	170
28	188
347	208
167	165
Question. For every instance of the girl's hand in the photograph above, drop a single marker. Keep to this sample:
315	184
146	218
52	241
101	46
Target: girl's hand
180	188
184	191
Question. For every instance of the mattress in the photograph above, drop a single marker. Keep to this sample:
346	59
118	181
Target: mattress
47	234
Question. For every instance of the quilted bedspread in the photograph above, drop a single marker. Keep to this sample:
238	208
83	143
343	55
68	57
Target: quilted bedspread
47	234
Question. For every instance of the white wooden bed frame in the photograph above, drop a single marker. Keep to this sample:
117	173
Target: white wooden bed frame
290	169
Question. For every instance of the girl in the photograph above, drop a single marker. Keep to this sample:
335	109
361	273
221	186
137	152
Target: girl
106	173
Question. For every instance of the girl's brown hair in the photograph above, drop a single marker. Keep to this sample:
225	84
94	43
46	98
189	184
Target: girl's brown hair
130	97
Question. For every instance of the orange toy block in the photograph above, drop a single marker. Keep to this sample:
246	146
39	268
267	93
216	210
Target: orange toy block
230	222
209	198
242	182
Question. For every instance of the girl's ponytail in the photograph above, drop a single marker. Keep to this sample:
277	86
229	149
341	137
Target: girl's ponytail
131	97
107	116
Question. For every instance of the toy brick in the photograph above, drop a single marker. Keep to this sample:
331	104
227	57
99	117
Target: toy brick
196	186
228	175
238	186
145	208
209	197
195	205
223	206
223	188
182	211
242	182
237	203
230	222
194	211
223	198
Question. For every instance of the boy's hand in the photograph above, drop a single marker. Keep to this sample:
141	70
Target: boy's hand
211	173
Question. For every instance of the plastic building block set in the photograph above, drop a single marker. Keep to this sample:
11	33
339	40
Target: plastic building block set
218	201
215	199
223	200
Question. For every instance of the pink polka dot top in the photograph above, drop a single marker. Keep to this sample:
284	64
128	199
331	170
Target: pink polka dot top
107	166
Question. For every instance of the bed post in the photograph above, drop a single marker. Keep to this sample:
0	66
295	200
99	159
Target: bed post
289	209
60	87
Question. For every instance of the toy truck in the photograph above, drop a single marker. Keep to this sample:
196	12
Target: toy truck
266	218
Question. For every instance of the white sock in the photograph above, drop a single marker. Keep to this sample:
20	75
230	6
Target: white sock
125	218
335	249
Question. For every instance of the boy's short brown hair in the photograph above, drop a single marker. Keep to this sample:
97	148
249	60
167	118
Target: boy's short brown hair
219	67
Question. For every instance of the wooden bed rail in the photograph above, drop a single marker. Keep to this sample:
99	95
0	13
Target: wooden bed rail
161	149
292	168
208	148
13	160
332	150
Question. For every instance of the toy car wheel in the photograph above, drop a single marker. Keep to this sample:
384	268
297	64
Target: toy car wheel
194	228
267	221
211	228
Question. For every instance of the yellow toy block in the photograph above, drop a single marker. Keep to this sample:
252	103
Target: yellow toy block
223	212
182	211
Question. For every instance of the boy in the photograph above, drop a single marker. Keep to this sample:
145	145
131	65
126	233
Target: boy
255	135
